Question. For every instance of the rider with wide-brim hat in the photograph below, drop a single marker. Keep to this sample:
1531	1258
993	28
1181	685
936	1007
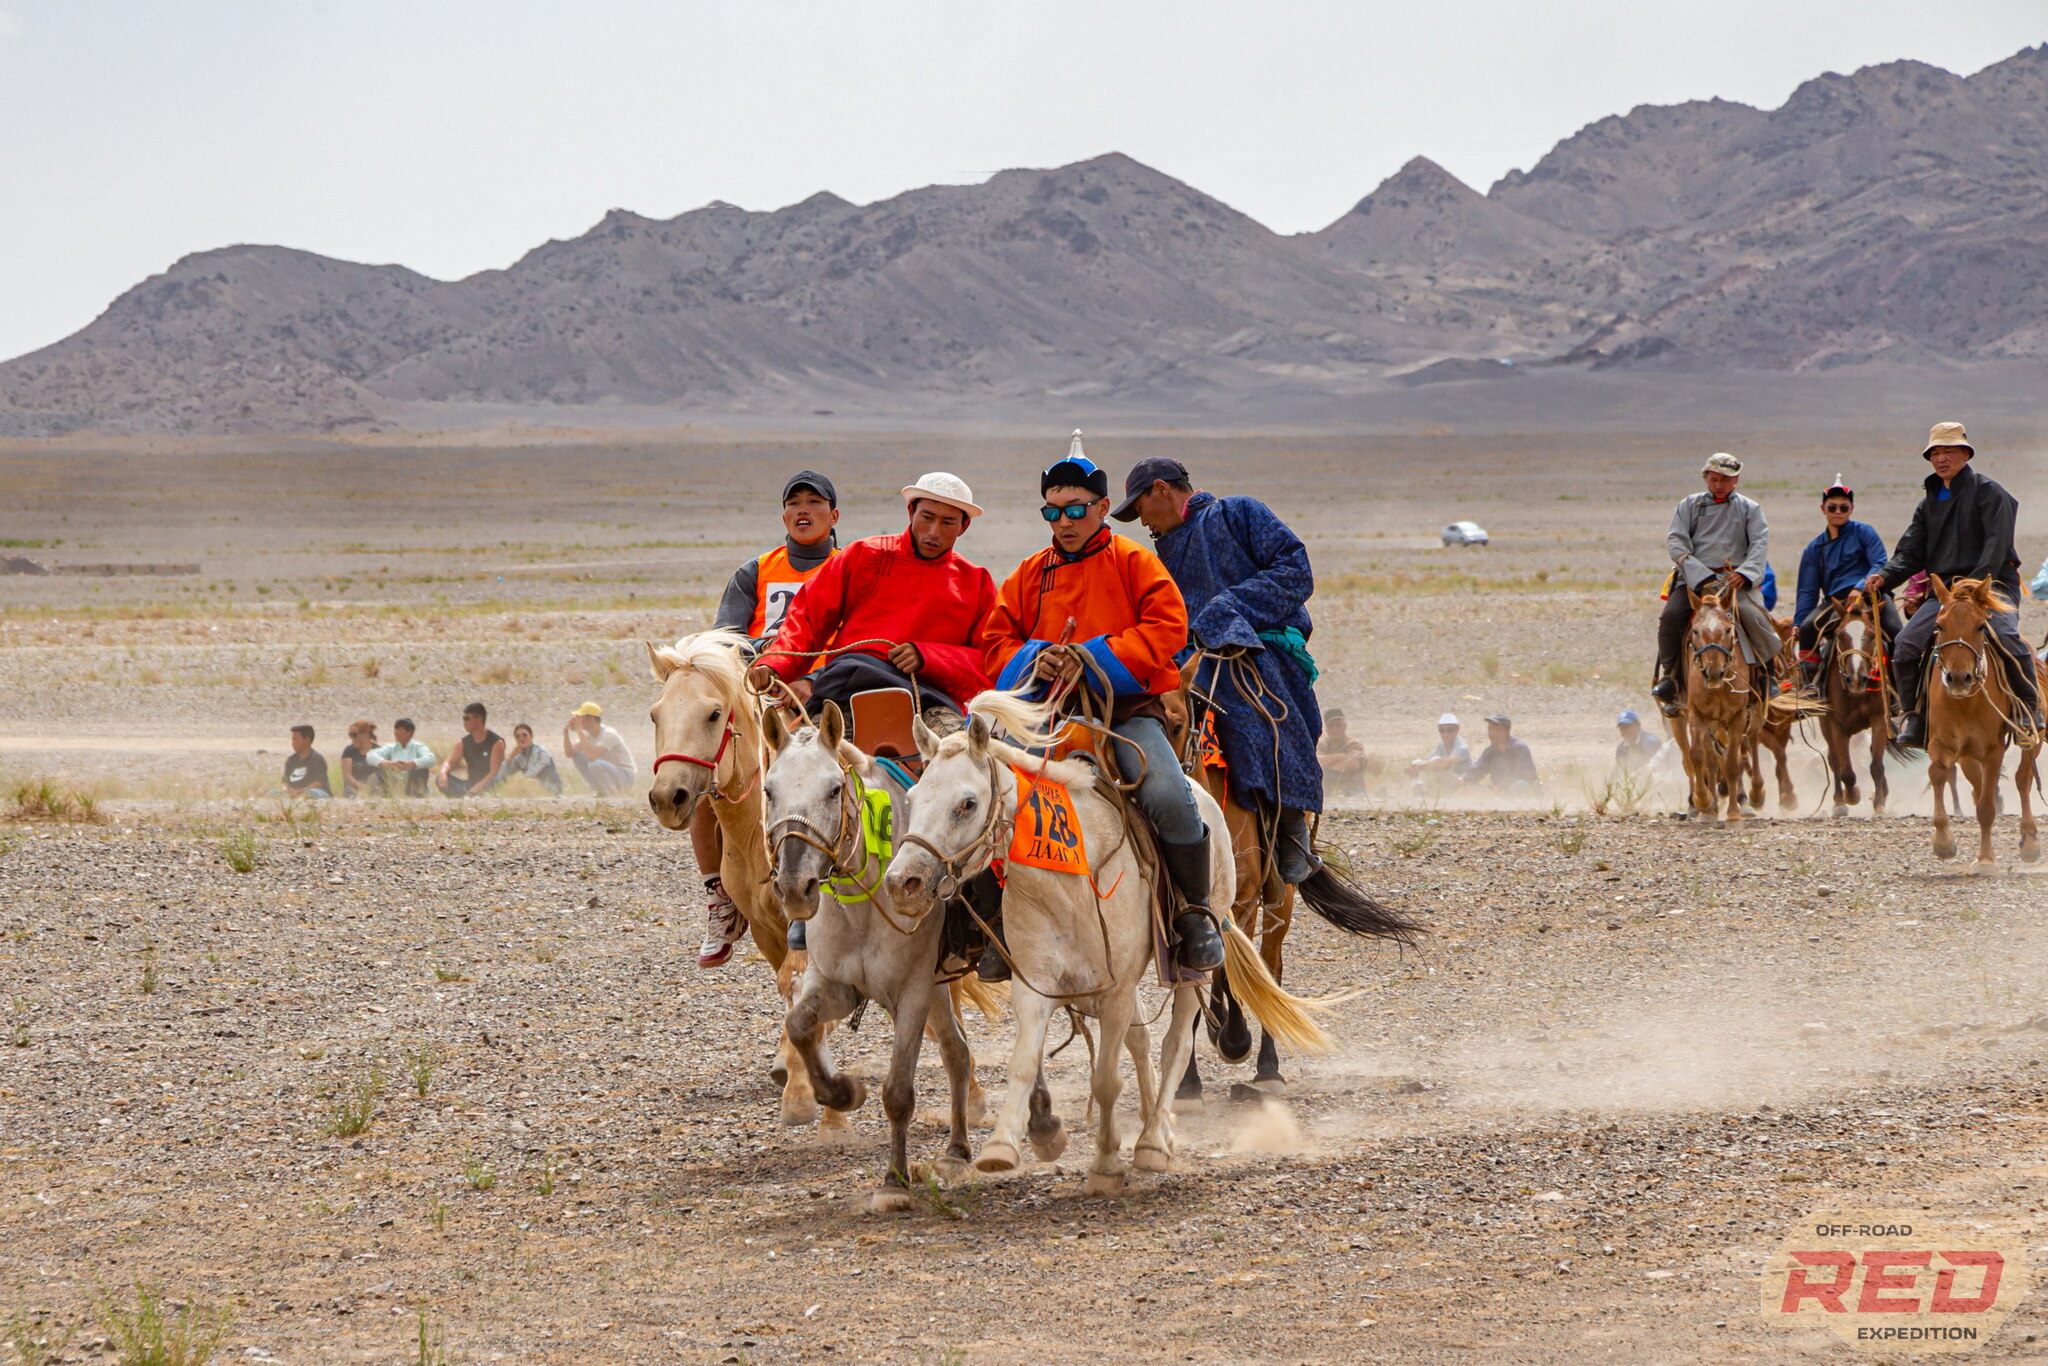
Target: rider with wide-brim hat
1717	538
1097	611
1962	529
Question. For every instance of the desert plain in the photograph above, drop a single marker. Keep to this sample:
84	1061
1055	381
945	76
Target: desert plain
1570	1126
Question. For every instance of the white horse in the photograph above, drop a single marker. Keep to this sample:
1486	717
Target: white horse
825	874
1079	941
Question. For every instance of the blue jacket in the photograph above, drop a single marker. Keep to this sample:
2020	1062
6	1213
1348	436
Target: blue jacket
1832	565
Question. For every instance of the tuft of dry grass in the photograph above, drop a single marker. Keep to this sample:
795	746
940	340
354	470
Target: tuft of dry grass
156	1331
42	798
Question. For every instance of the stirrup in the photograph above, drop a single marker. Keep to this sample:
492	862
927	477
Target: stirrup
1205	947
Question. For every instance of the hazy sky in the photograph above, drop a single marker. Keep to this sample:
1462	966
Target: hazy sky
453	135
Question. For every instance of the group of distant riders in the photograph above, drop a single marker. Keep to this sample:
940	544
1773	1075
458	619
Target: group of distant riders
1095	613
1963	528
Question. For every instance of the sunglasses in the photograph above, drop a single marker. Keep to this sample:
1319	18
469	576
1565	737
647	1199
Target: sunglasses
1073	512
1838	507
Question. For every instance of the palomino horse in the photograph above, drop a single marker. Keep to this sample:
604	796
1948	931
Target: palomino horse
816	796
1080	940
707	733
1723	709
1971	718
1857	653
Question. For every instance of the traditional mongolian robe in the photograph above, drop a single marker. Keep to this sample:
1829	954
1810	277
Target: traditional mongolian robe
1247	582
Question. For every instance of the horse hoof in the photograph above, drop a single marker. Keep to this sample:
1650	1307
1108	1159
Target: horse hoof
943	1170
1234	1040
798	1113
779	1075
856	1095
1982	866
1840	811
1942	851
996	1157
891	1201
1150	1159
1103	1185
1188	1105
1241	1094
2030	853
1049	1145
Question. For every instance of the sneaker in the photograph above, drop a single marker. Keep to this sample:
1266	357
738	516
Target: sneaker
724	927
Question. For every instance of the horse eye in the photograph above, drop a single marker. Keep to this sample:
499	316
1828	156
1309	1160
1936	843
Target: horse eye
968	804
716	713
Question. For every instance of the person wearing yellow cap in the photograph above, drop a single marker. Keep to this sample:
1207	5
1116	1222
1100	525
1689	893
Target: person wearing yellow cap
1962	529
598	751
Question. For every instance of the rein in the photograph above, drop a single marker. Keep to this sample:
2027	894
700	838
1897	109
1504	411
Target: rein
979	852
866	880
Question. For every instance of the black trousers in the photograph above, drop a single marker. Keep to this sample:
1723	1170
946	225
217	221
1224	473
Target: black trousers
849	674
1824	618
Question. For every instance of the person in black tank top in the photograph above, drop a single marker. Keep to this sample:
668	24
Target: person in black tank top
482	753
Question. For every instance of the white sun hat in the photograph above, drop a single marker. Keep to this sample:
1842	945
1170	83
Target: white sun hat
1447	719
941	487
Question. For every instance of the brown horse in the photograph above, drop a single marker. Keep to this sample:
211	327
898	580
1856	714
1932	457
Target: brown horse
1775	734
1972	718
1856	655
1724	711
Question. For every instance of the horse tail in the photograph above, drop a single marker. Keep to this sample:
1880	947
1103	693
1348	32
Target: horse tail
1024	722
1797	708
1353	910
986	997
1290	1019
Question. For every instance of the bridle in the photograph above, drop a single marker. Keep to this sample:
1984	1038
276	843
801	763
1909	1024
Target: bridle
850	883
724	743
980	851
1973	682
1727	679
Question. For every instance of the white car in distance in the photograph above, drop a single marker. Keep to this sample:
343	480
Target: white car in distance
1465	533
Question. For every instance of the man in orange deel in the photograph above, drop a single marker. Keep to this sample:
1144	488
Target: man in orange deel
1117	605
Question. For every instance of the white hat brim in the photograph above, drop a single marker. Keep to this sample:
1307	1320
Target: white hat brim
911	493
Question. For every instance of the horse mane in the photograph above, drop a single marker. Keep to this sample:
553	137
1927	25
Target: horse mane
719	655
1983	592
1025	721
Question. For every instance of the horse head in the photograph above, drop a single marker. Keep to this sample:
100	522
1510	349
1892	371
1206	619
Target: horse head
960	811
1713	641
811	802
702	720
1961	628
1855	642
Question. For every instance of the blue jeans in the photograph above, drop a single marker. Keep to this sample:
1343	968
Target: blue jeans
606	778
1165	796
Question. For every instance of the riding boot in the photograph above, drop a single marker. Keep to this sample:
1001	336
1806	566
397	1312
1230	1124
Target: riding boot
1912	729
1297	856
985	895
1198	945
1809	673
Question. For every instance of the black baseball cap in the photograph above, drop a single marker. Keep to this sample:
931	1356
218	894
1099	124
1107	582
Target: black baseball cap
815	482
1140	480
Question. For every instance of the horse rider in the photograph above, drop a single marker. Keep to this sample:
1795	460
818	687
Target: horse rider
1247	581
1962	529
755	600
887	607
1717	537
1833	565
1126	618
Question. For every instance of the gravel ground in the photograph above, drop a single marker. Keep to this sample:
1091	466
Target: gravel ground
1571	1127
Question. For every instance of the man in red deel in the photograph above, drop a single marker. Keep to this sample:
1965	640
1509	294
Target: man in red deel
897	605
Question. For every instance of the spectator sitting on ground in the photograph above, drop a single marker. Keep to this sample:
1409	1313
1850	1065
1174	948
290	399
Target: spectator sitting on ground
1342	757
1506	762
598	751
1450	760
357	772
404	761
482	752
1635	750
528	760
305	771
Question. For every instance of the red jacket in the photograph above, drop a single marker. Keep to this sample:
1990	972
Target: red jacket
879	589
1127	613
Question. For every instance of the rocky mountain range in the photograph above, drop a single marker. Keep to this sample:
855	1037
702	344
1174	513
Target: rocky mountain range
1897	215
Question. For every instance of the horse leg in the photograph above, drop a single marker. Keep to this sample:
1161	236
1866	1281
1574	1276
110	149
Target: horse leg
1279	919
1156	1141
1939	774
1047	1132
1754	755
820	1003
1187	1097
1034	1013
977	1099
959	1060
1138	1043
1106	1173
1984	787
1880	786
1732	765
1841	771
2030	834
1788	798
899	1099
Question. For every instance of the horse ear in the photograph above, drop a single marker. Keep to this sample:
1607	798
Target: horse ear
1695	598
774	729
1941	590
978	732
927	740
663	664
832	726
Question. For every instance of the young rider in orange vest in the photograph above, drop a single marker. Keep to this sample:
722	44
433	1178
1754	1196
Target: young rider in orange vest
1121	609
755	601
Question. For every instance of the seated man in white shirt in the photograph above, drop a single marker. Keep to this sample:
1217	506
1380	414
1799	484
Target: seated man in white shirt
404	761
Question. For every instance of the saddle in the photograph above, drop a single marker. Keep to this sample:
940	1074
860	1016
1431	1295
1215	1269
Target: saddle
882	727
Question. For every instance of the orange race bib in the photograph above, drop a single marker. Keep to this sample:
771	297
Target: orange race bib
1048	827
1210	748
